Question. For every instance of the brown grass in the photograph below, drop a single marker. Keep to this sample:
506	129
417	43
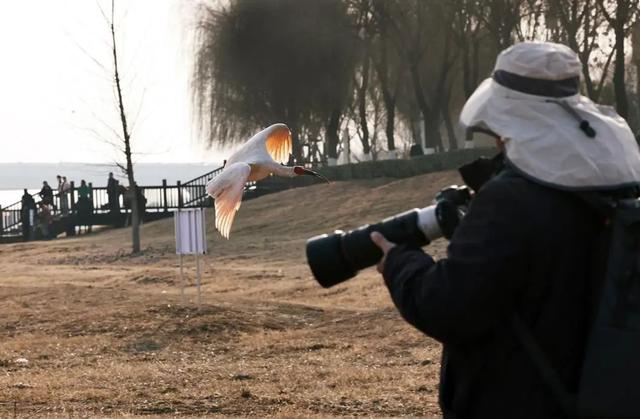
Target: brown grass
106	334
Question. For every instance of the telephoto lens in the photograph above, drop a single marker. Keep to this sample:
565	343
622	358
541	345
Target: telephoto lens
334	258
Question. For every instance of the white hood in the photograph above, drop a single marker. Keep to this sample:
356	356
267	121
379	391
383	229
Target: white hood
542	134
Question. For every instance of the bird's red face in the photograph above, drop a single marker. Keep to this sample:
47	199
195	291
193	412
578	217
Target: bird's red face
299	170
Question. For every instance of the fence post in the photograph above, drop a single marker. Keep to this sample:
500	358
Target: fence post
1	222
179	194
164	195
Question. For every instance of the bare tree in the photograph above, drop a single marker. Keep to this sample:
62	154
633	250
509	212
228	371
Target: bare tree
390	70
532	24
362	10
467	34
445	105
420	31
579	24
122	134
502	19
621	16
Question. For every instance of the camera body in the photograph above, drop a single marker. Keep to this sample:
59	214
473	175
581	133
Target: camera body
334	258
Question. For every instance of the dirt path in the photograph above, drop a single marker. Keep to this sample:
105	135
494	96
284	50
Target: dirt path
105	334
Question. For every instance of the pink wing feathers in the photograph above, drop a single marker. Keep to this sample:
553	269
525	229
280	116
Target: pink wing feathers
226	190
278	143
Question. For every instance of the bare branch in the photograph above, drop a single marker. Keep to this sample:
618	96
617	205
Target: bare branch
134	120
103	122
102	12
605	12
124	170
605	71
98	136
84	51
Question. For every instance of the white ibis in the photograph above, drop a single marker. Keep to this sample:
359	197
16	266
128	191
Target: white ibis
255	160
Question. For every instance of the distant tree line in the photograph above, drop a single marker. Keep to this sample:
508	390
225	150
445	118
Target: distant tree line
392	71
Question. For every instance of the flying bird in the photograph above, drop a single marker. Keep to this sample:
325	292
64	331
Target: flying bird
258	158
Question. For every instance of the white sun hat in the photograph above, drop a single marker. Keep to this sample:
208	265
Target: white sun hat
551	133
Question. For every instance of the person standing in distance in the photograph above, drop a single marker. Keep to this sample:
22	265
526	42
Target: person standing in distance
113	193
46	193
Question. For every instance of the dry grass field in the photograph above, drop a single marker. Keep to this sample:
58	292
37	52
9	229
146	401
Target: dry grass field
105	334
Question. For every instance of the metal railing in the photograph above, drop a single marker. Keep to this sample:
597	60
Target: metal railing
11	217
157	198
195	189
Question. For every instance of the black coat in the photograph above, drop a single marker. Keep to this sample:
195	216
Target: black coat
112	186
46	193
522	248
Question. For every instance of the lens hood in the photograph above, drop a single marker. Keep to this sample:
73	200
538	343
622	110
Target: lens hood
327	261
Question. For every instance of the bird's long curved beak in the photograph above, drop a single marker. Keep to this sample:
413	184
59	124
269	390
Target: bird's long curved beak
316	174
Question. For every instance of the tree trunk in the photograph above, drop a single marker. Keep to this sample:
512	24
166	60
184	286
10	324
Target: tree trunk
470	64
390	124
622	105
362	100
441	96
637	64
332	134
451	132
571	25
389	99
635	47
296	145
638	79
584	56
430	134
432	137
466	71
135	219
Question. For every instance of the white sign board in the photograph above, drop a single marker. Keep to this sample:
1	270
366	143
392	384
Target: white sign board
191	235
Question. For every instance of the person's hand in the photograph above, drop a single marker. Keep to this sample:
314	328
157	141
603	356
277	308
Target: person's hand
385	245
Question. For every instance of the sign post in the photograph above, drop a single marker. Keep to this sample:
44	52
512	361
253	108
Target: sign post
191	238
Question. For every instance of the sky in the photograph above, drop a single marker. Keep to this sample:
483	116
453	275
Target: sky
56	81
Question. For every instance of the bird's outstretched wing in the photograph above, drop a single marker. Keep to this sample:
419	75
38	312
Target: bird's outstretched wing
278	143
272	143
226	190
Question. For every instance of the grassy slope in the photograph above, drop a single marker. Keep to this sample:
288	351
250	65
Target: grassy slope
106	333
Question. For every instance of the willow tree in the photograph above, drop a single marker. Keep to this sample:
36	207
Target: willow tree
259	62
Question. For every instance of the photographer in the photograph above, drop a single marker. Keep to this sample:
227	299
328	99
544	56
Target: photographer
526	247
